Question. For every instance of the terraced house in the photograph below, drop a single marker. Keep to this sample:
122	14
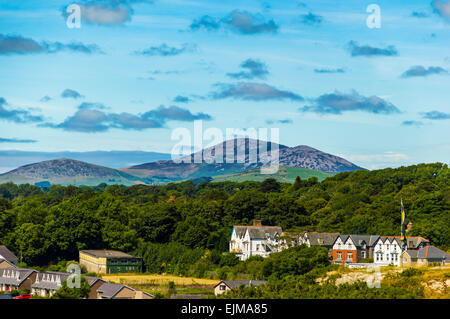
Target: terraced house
351	249
46	284
16	278
109	261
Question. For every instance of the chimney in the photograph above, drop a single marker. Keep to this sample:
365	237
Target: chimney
257	223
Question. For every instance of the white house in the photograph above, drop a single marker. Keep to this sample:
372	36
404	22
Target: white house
388	249
255	240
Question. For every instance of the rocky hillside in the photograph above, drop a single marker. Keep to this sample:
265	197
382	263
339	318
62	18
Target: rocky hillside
239	155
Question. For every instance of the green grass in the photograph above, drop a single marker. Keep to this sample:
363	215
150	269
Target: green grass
284	174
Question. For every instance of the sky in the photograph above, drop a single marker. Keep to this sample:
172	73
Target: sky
135	70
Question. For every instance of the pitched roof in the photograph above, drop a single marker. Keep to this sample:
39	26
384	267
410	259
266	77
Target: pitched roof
54	279
108	254
237	283
7	254
50	280
411	242
322	239
258	232
14	276
431	252
109	289
369	240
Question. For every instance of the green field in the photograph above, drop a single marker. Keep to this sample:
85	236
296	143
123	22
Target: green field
284	174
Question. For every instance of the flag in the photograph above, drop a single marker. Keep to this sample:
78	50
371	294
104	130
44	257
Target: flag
403	224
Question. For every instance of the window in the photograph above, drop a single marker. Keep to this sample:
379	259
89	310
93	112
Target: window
338	255
363	254
222	287
350	255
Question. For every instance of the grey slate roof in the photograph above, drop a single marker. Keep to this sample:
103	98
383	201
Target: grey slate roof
5	253
109	289
108	254
237	283
322	239
258	232
429	252
53	280
369	240
14	276
411	242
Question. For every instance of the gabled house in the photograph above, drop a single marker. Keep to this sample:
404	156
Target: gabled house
319	239
6	254
424	256
16	278
225	285
388	249
256	240
351	249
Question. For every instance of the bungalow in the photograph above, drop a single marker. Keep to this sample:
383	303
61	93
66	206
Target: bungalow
17	278
351	249
225	285
6	254
424	256
256	240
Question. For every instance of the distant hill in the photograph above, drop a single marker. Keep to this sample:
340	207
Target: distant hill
241	154
114	159
67	171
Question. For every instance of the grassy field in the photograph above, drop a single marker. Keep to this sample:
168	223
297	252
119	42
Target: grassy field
284	174
158	280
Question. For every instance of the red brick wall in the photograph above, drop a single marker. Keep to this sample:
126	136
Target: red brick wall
344	255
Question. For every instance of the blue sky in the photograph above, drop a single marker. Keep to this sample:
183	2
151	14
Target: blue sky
137	69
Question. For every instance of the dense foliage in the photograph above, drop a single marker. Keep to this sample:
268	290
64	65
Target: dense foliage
177	226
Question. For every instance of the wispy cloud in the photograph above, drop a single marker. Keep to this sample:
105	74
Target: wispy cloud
181	99
284	121
419	70
253	92
436	115
338	103
88	120
15	140
165	50
254	69
311	19
16	44
339	70
365	50
237	21
412	123
419	14
69	93
45	99
17	115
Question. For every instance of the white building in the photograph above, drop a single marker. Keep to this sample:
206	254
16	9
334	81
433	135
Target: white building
388	249
256	240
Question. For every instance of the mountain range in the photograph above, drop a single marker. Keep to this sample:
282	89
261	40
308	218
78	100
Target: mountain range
242	156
